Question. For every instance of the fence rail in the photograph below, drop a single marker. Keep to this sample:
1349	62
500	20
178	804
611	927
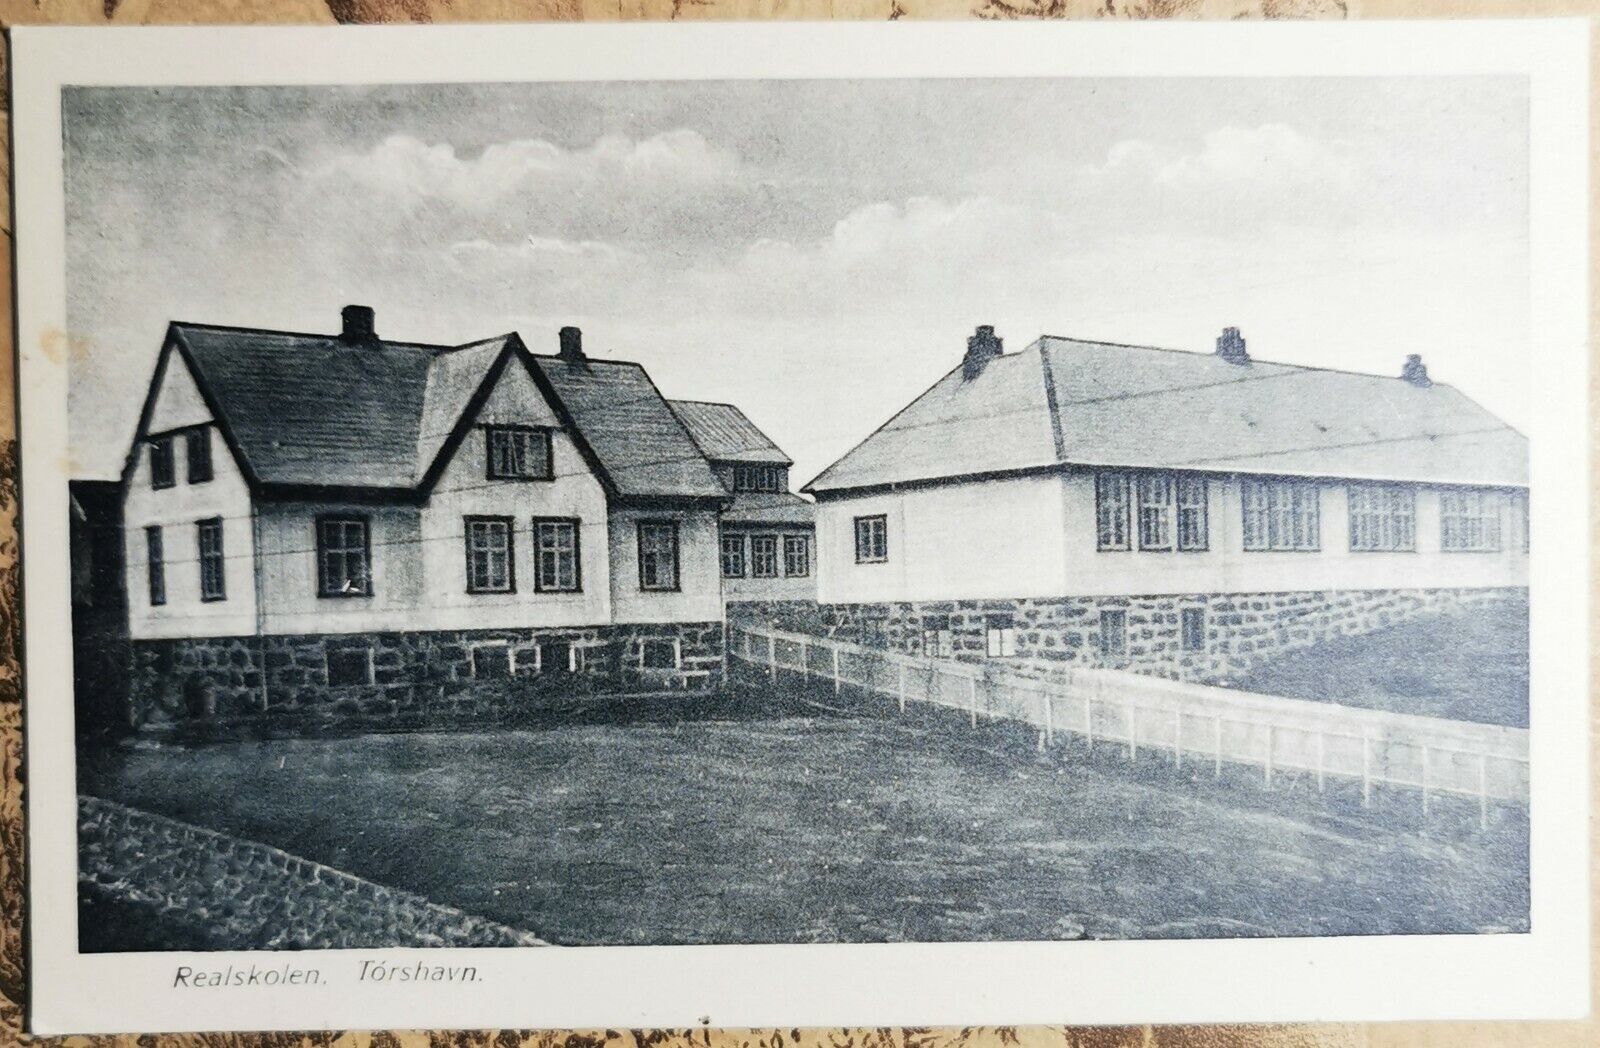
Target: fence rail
1191	723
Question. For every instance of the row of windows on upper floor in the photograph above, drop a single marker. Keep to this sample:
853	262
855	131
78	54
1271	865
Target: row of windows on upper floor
1165	512
758	556
344	557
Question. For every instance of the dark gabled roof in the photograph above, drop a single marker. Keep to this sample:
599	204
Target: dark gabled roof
769	507
1067	401
321	411
726	434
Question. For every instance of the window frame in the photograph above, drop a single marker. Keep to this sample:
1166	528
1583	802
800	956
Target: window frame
155	559
1120	649
1001	627
1165	510
790	542
204	557
1373	528
198	438
768	540
467	524
547	470
1109	517
1185	617
881	521
669	527
1490	515
537	531
163	448
324	590
1273	513
1200	508
944	637
737	539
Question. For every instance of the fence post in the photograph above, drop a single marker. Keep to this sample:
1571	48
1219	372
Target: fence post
1322	745
1177	738
1049	727
1483	791
835	651
902	689
1366	770
1266	768
1216	735
972	691
1424	781
772	657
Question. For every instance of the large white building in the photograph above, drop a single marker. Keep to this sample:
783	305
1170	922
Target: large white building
1183	512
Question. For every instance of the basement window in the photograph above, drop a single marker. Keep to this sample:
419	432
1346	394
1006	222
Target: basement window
938	642
1000	636
491	661
349	667
1114	633
659	655
1193	628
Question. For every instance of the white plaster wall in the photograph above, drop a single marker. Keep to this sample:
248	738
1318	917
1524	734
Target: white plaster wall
699	597
1002	538
177	510
289	581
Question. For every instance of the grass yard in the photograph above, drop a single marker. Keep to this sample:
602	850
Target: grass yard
1467	665
828	828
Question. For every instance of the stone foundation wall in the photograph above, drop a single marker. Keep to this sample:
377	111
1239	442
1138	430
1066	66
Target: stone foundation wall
416	677
252	896
1241	630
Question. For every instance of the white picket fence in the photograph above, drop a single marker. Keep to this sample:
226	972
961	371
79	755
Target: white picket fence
1187	722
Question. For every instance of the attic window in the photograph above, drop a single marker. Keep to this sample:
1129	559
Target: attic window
757	478
518	453
163	474
197	451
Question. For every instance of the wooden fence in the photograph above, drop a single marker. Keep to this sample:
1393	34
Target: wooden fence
1192	723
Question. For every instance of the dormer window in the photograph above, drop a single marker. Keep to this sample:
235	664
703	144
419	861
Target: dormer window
758	478
518	453
162	472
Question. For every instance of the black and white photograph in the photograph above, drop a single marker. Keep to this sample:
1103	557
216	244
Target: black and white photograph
799	510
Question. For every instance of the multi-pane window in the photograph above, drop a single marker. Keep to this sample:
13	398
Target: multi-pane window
212	583
1000	636
197	454
1194	530
1281	515
1155	511
660	654
1113	633
518	453
490	567
796	556
764	556
344	557
1383	517
155	565
938	641
658	555
1112	501
555	548
1192	624
162	472
872	539
733	557
758	478
1469	519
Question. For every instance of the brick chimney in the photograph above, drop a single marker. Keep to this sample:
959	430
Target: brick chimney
359	324
571	344
982	347
1230	346
1415	371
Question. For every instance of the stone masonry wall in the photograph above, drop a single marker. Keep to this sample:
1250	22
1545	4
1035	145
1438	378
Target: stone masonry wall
413	677
256	897
1241	630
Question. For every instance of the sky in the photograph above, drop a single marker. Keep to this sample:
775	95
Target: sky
816	252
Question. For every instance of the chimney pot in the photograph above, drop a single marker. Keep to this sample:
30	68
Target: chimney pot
982	347
571	343
1231	346
359	324
1415	371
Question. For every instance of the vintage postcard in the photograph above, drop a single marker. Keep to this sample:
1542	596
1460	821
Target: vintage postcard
793	525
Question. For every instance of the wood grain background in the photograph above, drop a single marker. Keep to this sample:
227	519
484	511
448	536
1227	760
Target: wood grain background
12	859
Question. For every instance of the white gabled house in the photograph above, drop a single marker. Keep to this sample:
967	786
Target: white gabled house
343	520
1183	513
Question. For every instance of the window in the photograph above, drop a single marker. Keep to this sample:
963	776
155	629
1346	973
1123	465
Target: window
197	453
872	540
1155	511
555	656
209	534
555	550
658	655
162	474
349	667
1193	628
1383	517
764	556
155	566
1113	633
1469	520
491	660
1000	636
758	478
658	555
518	453
490	567
733	556
938	642
1111	510
796	556
1281	515
344	557
1194	527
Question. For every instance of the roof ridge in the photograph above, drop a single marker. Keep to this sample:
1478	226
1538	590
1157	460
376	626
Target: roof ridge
1202	354
325	336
